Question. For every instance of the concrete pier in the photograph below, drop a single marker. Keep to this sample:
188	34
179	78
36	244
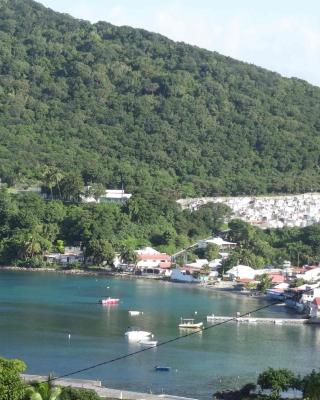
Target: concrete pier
102	391
252	320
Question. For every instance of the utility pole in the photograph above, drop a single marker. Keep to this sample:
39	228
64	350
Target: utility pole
185	257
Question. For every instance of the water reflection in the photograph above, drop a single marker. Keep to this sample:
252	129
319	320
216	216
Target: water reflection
38	311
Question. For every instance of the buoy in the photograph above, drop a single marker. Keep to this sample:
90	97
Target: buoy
196	312
108	287
69	336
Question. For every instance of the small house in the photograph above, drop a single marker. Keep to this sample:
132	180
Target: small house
241	272
223	244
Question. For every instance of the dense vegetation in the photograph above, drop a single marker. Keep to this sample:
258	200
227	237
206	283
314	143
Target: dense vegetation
273	384
258	247
123	104
13	387
29	226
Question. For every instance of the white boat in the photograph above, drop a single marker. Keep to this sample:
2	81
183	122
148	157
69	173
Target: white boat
137	334
148	343
210	317
188	323
135	312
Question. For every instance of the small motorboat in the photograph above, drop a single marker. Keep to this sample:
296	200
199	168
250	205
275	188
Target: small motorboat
135	313
188	323
108	301
137	334
162	368
148	343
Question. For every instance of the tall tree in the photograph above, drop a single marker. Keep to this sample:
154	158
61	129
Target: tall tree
11	385
277	380
311	386
52	178
100	250
72	187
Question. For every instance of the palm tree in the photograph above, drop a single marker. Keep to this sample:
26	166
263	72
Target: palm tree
51	178
32	245
43	391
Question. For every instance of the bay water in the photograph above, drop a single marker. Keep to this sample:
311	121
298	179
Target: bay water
38	312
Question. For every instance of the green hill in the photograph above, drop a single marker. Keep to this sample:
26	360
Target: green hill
125	104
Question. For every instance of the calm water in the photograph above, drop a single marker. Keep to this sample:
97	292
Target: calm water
39	310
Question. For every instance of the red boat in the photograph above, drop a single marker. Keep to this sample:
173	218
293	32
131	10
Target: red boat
109	300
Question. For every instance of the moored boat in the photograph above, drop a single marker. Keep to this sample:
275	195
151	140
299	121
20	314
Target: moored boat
188	323
108	301
135	313
162	368
137	334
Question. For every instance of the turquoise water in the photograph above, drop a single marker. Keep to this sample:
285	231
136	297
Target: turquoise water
39	310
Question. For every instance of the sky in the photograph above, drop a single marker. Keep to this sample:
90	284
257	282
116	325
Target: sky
280	35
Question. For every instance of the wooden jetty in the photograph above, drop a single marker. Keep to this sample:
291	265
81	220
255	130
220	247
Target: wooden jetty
252	320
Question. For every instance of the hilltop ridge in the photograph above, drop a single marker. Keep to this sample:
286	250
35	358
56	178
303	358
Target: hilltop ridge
117	104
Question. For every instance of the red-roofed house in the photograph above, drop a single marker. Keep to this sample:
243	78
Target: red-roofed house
309	274
276	278
149	258
245	280
315	308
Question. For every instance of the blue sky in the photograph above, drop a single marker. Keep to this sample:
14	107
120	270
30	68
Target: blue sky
281	35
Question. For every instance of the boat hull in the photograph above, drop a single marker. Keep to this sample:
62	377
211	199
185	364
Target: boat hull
148	343
191	326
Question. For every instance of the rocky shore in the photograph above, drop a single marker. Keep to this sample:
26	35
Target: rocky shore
85	272
62	271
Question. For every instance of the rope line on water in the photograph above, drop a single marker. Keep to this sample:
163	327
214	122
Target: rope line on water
127	355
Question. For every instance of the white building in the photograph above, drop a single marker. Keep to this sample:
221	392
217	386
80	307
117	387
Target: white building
310	293
223	244
267	211
110	196
215	264
198	264
310	274
148	258
179	275
241	272
70	256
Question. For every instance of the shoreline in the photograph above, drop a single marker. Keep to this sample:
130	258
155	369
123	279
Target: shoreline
226	288
102	391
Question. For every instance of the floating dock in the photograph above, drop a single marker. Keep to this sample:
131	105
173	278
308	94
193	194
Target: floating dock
252	320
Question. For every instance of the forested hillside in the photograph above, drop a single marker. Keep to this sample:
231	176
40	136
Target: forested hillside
118	104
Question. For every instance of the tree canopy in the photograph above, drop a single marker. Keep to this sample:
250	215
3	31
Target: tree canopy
104	104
